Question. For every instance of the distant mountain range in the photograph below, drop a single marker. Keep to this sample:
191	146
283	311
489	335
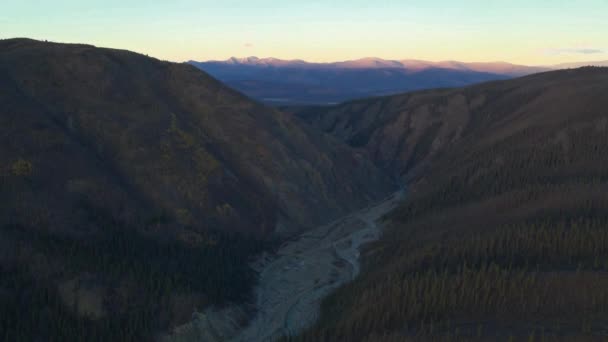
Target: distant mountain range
580	64
412	65
290	82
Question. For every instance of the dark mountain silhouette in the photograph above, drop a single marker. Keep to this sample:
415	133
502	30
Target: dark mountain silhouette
503	232
125	179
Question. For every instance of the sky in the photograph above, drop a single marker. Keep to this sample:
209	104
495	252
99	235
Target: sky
533	32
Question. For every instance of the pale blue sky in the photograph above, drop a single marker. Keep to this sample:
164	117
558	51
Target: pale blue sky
529	32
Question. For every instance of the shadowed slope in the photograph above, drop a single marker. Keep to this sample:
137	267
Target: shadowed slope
179	139
124	181
503	236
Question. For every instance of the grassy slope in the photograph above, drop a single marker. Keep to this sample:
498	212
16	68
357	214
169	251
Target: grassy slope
504	235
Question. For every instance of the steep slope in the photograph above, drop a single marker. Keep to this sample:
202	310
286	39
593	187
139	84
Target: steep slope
404	132
183	141
504	236
401	133
124	179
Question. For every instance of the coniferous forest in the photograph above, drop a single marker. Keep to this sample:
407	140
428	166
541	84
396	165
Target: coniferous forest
503	238
120	285
136	192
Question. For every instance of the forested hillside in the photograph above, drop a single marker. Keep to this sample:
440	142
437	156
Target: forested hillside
505	234
403	133
135	191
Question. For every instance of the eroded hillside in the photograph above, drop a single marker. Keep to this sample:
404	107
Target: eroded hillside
403	133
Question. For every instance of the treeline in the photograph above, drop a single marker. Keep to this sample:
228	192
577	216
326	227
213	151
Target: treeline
140	279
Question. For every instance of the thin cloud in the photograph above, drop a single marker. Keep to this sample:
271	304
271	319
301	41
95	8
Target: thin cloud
248	45
574	51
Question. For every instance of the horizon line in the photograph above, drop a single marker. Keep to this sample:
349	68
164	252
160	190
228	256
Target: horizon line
305	60
386	60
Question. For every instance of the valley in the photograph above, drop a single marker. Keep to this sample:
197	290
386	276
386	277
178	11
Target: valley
293	282
146	200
